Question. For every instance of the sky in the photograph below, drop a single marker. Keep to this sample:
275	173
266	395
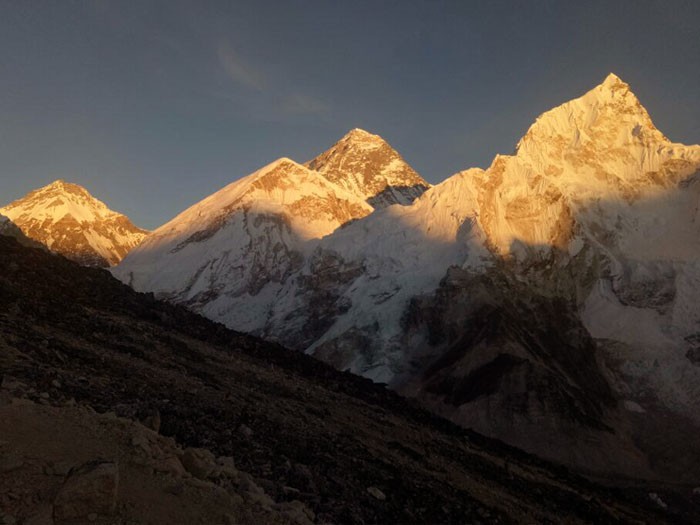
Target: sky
154	105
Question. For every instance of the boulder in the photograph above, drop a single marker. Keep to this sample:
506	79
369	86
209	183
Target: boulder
199	462
88	489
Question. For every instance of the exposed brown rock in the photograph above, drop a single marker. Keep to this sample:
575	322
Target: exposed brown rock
89	489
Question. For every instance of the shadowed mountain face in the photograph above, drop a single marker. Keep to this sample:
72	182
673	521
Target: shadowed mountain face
66	219
592	225
304	430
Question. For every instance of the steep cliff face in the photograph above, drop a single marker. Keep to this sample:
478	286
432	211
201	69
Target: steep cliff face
66	219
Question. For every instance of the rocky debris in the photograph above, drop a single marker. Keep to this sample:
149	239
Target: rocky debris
653	496
693	355
152	420
57	468
199	462
301	478
226	468
296	512
7	519
171	466
89	490
376	493
47	490
10	462
246	431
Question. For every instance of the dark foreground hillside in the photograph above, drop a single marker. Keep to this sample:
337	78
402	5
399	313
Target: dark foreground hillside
83	357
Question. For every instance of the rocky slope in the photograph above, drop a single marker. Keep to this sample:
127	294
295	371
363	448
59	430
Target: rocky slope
588	232
68	220
235	430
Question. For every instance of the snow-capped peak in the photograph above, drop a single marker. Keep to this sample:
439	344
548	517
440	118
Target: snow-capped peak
606	122
283	187
367	166
62	185
612	80
69	220
57	200
359	138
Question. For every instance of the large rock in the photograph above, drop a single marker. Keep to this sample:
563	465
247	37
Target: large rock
199	462
88	489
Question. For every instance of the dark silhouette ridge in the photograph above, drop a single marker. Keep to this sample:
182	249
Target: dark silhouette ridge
115	349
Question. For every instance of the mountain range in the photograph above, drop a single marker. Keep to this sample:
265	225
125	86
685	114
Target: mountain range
548	301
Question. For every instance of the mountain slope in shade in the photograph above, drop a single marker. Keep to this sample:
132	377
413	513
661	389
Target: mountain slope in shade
65	218
297	434
596	213
367	166
549	300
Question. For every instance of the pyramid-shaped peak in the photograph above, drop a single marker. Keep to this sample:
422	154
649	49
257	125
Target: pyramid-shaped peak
615	94
612	80
281	162
363	138
360	133
607	116
281	173
614	88
62	186
367	166
68	220
280	165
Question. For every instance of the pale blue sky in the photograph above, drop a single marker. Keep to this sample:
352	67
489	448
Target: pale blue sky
154	105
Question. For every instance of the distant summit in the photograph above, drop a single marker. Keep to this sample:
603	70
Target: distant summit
609	115
366	165
66	219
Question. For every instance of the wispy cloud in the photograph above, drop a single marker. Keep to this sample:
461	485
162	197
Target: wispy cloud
300	104
238	70
274	100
